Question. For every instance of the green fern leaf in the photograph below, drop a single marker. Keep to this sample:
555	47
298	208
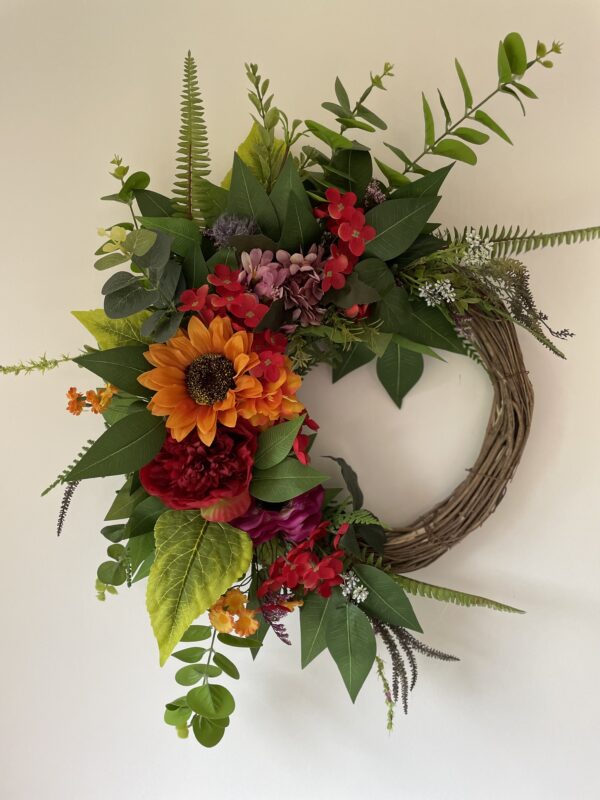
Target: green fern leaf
515	241
193	161
413	586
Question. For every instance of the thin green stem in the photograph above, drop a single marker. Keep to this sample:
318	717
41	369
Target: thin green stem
211	651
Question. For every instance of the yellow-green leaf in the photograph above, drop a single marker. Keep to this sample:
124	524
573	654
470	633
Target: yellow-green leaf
196	562
111	333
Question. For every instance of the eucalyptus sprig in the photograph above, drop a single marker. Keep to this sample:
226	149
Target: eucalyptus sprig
512	65
358	115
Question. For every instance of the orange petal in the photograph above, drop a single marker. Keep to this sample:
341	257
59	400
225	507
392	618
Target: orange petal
170	397
220	331
235	346
199	336
228	417
247	386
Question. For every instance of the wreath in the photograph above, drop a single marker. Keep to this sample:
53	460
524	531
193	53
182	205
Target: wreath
226	296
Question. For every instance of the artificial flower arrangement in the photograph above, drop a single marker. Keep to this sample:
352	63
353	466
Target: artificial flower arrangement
226	296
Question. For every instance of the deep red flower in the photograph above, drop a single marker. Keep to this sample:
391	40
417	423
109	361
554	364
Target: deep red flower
302	441
340	206
270	365
247	307
268	340
355	232
357	311
225	280
188	474
193	299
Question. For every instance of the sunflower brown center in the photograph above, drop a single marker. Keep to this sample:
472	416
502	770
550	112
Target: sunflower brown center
208	378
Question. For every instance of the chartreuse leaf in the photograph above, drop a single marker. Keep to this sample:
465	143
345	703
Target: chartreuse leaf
335	140
397	224
351	642
485	119
384	601
248	198
124	447
177	716
471	135
211	701
514	47
275	443
120	366
284	481
313	623
398	370
113	332
504	70
464	83
196	561
452	148
429	125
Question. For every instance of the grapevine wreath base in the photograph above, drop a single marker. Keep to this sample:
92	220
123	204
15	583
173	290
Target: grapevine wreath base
226	295
419	544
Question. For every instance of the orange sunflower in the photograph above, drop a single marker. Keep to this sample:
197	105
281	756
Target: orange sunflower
201	378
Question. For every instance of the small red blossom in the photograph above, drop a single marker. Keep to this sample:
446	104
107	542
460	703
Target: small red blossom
357	311
340	206
247	308
226	280
270	365
302	441
356	233
193	299
268	340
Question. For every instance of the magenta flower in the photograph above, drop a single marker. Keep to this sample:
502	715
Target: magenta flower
295	521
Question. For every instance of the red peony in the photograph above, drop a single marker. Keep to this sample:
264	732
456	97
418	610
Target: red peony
188	474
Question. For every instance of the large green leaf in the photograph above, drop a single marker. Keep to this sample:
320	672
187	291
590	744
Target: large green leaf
427	186
288	183
144	517
375	273
153	204
196	562
211	701
125	447
275	443
248	198
120	366
398	370
353	357
351	642
392	309
186	242
358	165
125	501
397	224
384	601
113	332
335	140
313	624
284	481
300	228
427	325
355	292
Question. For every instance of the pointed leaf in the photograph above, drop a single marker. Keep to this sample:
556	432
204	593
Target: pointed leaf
399	370
196	562
504	70
288	182
384	601
120	366
313	624
248	198
352	358
429	124
300	228
485	119
447	116
468	95
284	481
125	447
471	135
397	224
335	140
452	148
427	324
351	481
275	443
342	94
351	642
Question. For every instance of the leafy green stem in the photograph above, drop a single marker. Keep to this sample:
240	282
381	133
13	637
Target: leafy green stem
42	364
211	652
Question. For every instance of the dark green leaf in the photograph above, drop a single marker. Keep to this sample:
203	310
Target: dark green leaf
354	292
125	501
525	90
429	326
392	309
238	641
288	182
342	95
120	366
365	113
152	204
447	116
394	177
313	624
509	91
129	300
384	601
427	186
375	273
144	517
357	164
275	443
209	733
351	642
397	224
300	228
124	447
188	676
399	370
284	481
351	481
248	198
352	122
112	573
355	356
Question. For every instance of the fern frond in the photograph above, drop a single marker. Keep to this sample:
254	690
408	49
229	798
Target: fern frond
62	478
513	241
444	595
64	506
193	162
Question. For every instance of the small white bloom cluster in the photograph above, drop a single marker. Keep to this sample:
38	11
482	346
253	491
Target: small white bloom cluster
353	588
436	292
479	251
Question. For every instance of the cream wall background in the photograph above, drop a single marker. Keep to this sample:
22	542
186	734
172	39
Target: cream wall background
82	692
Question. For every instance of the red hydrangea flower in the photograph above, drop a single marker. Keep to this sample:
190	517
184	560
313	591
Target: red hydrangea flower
247	308
226	280
334	273
193	299
357	311
302	441
355	232
270	366
268	340
188	474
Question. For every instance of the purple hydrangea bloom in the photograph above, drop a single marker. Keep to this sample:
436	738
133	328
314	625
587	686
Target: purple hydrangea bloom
295	521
